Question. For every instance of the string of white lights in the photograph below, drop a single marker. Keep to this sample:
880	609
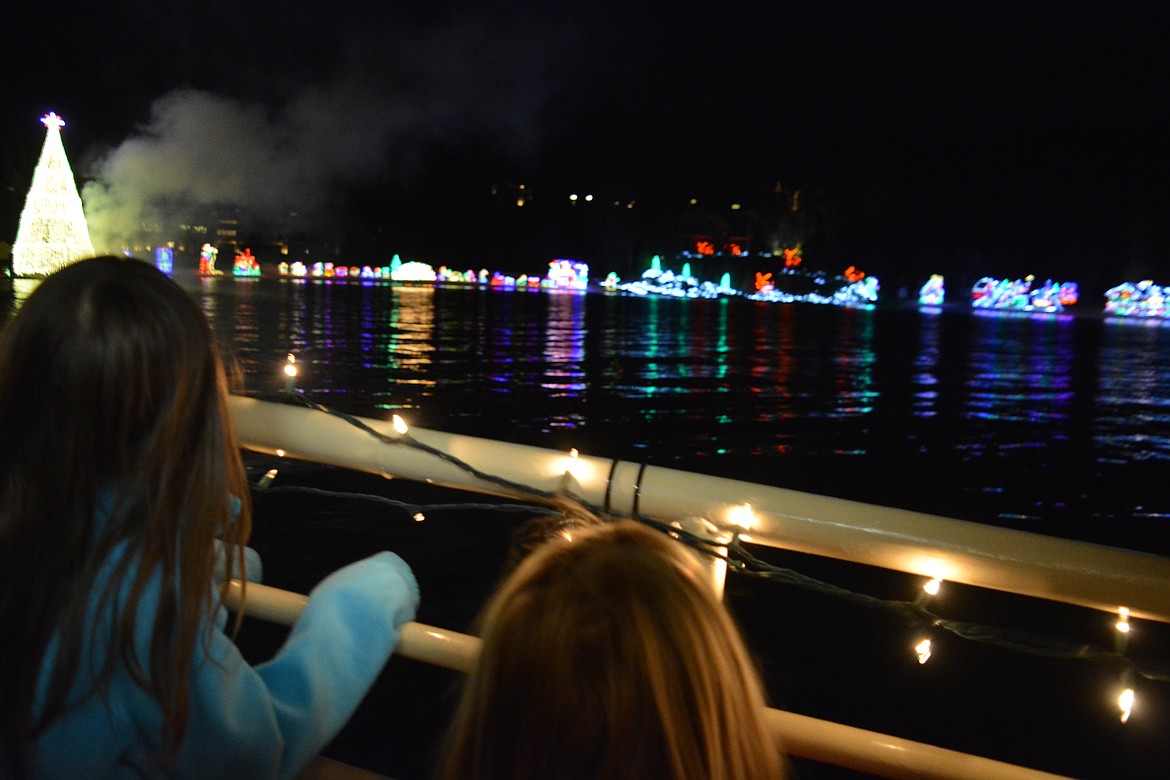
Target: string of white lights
922	620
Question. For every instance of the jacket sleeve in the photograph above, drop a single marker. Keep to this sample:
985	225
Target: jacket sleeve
268	721
253	566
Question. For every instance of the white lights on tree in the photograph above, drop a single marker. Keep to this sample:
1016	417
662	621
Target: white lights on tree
52	232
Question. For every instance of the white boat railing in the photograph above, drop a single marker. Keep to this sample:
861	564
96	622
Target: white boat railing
796	735
1004	559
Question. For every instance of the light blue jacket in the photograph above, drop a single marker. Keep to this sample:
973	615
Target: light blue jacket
264	721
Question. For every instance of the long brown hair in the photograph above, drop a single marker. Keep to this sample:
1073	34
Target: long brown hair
112	392
606	654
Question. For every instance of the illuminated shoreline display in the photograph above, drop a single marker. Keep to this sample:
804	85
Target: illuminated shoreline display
933	293
207	256
789	284
794	284
1023	295
246	264
562	274
860	293
656	281
164	259
1141	299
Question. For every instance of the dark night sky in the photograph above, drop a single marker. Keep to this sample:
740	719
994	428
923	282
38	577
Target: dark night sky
956	137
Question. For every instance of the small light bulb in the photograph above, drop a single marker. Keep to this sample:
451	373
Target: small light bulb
280	453
742	516
571	466
419	517
923	651
1125	704
932	586
290	374
400	426
1122	623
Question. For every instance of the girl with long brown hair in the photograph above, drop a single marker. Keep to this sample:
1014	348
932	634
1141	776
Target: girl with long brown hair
121	490
606	654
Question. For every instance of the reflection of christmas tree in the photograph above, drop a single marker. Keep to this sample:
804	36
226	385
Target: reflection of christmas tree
52	232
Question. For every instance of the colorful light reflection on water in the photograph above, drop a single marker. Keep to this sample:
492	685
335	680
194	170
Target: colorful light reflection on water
1052	422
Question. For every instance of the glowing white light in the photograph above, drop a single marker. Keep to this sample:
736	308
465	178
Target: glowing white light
1125	704
1122	624
290	368
922	649
400	426
53	232
414	271
571	465
742	516
419	517
280	453
931	586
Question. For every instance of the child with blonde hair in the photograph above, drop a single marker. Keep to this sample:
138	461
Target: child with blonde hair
606	654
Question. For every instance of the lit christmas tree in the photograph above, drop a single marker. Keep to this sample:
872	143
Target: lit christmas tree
53	232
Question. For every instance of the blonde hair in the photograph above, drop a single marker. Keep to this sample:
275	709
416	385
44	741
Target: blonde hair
609	656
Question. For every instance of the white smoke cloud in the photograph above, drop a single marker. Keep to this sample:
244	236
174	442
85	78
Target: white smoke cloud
201	151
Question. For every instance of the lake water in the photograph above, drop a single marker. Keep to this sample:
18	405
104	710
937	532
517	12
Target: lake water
1053	423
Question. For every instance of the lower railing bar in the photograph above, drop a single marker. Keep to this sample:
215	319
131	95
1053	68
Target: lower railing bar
796	735
417	641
